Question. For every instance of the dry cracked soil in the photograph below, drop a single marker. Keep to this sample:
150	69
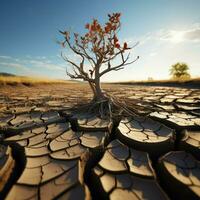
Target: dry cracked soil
47	152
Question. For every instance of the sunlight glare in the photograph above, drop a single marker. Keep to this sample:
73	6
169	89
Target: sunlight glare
177	36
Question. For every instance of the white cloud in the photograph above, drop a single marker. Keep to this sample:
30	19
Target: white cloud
41	57
189	34
193	35
153	54
17	66
176	36
47	65
5	57
32	65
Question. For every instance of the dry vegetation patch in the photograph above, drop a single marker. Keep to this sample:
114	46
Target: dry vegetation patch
28	81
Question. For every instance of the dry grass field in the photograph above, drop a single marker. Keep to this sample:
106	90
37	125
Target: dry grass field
23	80
192	82
30	81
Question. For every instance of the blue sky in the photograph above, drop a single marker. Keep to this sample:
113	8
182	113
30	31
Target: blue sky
168	31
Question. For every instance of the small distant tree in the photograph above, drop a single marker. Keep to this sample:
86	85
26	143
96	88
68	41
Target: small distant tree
179	71
150	79
97	49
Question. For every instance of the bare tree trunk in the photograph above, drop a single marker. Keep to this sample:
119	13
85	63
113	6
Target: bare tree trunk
98	91
92	88
96	87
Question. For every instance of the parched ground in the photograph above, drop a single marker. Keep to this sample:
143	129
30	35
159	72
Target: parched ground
46	152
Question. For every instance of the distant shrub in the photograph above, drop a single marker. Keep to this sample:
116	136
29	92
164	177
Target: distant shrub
150	79
180	71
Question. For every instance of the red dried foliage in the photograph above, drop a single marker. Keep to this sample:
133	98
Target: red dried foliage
103	38
99	45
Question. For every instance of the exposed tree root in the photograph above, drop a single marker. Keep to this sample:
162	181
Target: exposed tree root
110	107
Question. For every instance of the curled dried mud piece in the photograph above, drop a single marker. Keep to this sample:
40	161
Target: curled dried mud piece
145	134
179	173
177	120
191	143
7	164
30	120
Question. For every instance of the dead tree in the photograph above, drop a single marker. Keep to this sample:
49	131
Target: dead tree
97	50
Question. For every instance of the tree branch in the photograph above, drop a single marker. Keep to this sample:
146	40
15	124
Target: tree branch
120	66
73	48
83	75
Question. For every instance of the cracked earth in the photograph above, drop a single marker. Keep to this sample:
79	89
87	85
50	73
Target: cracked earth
48	152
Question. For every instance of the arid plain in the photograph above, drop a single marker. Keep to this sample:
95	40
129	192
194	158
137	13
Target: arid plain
48	152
